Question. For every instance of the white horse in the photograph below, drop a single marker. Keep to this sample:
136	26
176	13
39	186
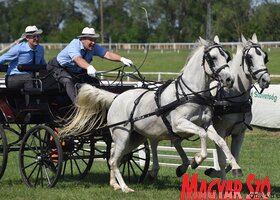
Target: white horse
185	104
233	112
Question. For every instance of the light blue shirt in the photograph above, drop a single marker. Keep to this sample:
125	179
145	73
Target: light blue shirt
75	48
22	54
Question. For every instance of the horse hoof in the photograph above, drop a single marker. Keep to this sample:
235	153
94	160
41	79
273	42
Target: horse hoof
212	173
179	173
228	168
127	190
194	164
209	171
116	186
237	172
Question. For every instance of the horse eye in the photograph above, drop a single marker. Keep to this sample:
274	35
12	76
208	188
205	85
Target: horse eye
258	52
214	58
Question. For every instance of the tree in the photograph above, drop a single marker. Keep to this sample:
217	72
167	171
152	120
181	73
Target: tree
230	18
178	21
266	22
46	15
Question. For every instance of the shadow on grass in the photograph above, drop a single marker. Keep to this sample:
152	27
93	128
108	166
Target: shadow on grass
101	179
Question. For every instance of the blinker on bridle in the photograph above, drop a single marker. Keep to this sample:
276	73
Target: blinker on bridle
248	60
207	57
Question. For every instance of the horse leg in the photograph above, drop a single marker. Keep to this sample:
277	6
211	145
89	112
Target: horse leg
155	168
121	138
236	143
183	126
113	180
186	162
213	135
212	172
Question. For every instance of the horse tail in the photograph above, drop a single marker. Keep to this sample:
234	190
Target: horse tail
90	110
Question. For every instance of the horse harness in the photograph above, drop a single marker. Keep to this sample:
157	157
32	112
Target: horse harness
194	97
246	58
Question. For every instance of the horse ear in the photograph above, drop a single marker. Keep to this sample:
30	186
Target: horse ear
216	39
243	39
203	42
254	38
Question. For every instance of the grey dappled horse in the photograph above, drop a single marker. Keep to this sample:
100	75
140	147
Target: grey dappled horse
233	110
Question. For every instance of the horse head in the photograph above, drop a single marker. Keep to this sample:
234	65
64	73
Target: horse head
254	61
215	62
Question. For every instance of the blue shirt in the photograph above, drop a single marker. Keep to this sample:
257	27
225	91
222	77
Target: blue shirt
75	48
22	54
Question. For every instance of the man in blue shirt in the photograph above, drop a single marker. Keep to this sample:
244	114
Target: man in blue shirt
72	64
29	52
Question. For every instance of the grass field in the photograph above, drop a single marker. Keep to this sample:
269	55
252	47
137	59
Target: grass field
260	156
260	152
166	60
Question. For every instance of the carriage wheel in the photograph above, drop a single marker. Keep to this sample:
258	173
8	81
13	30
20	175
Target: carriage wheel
40	157
134	166
3	151
78	157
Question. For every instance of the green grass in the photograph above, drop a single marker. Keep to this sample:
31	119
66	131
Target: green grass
260	156
167	61
260	152
164	61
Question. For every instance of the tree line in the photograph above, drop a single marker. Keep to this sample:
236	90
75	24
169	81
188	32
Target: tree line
126	20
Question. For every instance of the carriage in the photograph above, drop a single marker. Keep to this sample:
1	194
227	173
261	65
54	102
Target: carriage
186	102
30	121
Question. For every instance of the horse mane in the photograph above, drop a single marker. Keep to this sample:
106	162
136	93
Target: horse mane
191	55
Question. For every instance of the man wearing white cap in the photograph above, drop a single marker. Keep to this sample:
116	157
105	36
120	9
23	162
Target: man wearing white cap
72	64
29	52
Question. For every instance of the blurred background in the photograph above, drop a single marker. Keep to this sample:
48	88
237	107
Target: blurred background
125	20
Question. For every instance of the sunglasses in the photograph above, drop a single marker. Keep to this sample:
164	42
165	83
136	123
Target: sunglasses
33	36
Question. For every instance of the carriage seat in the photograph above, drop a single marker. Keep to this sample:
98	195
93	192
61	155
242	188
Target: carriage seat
38	78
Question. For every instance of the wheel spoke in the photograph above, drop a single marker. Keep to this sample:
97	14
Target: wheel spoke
80	155
40	157
134	173
29	156
47	175
32	172
64	168
136	157
27	166
80	172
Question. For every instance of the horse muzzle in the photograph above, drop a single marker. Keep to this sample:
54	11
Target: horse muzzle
264	81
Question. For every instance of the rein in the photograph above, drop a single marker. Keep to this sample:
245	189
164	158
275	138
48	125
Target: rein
194	97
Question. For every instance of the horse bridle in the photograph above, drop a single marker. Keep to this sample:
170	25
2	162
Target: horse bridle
207	57
246	58
215	75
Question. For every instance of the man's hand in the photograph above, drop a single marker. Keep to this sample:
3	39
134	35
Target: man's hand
126	61
91	71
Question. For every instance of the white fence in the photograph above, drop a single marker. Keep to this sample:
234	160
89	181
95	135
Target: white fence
169	157
157	76
155	46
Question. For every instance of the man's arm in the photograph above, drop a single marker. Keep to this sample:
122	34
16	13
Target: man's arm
81	62
112	56
116	57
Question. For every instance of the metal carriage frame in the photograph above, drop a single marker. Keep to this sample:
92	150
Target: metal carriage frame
29	124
